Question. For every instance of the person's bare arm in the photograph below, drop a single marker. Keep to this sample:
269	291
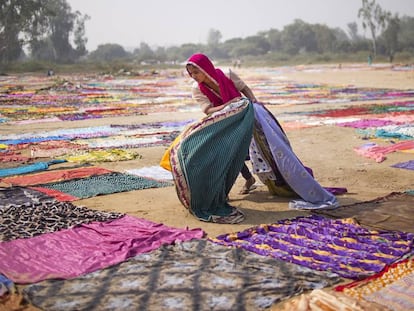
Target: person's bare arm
249	94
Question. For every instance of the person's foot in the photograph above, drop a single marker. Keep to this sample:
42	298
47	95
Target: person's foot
248	186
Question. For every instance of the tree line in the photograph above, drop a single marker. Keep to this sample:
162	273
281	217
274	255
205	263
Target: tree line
48	30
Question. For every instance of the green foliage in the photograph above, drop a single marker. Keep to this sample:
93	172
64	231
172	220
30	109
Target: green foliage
108	52
45	27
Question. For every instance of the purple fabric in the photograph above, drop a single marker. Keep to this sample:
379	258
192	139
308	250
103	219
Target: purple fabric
319	243
409	165
86	248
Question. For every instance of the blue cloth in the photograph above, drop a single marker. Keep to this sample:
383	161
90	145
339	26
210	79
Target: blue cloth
6	285
35	167
294	173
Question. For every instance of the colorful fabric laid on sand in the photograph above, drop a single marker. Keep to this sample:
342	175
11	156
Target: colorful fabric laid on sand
327	300
112	155
391	212
393	287
27	213
278	167
6	286
378	153
68	253
154	172
55	176
409	165
214	149
193	275
102	184
340	246
20	170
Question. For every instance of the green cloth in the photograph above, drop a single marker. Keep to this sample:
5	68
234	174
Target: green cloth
211	158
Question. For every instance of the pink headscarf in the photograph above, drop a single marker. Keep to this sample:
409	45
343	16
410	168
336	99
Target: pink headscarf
228	90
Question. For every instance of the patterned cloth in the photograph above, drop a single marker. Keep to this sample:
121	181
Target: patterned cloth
207	160
85	248
194	275
26	213
391	212
288	174
393	287
340	246
103	184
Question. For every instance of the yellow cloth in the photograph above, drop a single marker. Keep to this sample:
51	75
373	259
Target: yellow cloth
165	160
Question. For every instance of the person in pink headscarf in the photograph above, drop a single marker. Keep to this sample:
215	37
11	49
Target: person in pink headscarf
214	90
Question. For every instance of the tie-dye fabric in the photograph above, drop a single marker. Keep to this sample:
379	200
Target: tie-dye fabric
194	275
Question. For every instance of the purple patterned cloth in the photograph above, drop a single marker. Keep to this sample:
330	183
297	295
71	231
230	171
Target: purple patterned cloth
340	246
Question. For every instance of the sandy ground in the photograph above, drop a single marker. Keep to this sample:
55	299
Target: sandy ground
327	149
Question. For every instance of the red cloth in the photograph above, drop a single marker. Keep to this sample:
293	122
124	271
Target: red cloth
228	90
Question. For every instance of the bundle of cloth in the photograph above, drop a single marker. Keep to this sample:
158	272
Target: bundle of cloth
206	158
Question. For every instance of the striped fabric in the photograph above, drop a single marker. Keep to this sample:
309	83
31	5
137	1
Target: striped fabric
208	159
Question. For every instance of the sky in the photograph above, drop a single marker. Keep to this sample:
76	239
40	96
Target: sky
175	22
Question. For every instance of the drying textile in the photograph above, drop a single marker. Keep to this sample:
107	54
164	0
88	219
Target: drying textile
85	248
391	212
208	158
272	153
35	217
378	153
115	182
393	287
39	166
326	300
55	176
19	196
340	246
154	172
195	275
409	165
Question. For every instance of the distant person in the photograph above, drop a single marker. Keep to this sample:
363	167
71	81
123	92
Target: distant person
369	59
50	73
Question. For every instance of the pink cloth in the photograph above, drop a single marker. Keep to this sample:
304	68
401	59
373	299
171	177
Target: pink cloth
228	90
378	152
85	248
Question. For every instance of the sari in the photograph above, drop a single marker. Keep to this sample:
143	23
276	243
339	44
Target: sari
207	157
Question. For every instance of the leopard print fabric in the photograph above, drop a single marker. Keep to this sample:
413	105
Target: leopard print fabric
26	213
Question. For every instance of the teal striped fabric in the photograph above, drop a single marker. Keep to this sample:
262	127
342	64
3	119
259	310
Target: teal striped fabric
211	158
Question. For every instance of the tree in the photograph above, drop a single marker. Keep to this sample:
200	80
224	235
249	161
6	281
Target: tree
213	37
298	37
18	18
353	31
325	38
390	36
406	35
62	26
374	18
108	52
144	52
274	37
